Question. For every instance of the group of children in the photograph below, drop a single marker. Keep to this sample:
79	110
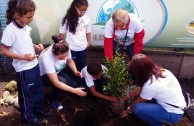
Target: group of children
32	70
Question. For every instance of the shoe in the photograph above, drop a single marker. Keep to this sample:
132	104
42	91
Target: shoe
44	113
35	121
55	104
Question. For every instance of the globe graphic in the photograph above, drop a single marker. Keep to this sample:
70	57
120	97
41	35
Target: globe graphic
109	6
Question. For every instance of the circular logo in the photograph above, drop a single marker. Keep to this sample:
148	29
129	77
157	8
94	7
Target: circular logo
190	27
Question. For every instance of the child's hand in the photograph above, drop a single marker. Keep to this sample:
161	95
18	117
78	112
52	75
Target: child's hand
30	57
125	98
124	114
80	92
39	47
113	99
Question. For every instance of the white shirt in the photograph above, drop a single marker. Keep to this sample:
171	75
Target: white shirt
20	42
165	90
77	41
135	26
89	78
49	64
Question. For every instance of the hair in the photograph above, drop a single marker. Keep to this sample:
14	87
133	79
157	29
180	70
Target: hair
94	68
21	7
142	68
71	17
121	15
60	47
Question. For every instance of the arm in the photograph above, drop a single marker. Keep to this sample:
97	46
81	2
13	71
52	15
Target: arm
88	37
99	95
54	79
136	92
108	48
72	66
125	113
138	45
61	36
5	50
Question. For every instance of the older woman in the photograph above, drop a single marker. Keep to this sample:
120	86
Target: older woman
123	29
159	86
52	62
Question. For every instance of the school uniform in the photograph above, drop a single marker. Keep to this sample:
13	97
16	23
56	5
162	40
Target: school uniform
77	42
29	83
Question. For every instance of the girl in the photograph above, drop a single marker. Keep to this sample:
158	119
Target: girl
17	44
76	26
52	62
158	85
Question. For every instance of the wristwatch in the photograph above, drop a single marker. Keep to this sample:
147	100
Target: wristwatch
128	109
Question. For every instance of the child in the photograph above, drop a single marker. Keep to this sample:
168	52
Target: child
94	80
76	26
52	62
17	44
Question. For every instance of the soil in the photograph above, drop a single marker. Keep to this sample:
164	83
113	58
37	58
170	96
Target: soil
80	111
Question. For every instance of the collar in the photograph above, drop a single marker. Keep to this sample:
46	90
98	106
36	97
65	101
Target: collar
17	24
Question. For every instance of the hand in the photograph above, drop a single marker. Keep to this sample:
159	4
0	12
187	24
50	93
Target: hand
125	98
39	47
77	73
30	57
124	114
88	45
113	99
80	92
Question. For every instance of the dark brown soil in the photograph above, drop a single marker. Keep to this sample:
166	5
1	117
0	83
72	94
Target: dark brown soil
80	111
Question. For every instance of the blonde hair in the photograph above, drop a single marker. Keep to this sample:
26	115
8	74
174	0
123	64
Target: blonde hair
121	15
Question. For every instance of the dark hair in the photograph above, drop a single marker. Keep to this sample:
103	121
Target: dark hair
19	6
142	68
94	68
60	47
71	17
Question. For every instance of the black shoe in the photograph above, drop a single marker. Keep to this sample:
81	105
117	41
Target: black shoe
44	113
37	121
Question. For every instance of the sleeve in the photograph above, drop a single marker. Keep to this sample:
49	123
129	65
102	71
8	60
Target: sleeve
108	48
108	40
8	38
138	38
48	66
62	28
69	54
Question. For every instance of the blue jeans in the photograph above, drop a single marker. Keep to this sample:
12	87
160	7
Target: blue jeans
155	115
130	49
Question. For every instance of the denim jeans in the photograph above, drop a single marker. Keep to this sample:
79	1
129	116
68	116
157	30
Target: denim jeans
155	115
130	48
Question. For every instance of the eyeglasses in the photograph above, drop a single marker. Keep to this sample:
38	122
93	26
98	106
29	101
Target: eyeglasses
80	12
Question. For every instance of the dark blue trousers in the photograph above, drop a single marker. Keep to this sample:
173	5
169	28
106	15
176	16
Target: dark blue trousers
30	93
64	76
79	57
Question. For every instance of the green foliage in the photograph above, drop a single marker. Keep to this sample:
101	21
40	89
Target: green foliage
117	74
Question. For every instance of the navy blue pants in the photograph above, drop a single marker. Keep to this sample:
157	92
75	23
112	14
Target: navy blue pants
130	48
64	76
30	93
79	57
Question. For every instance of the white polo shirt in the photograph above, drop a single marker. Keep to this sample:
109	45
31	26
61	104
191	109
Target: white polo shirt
89	78
165	90
49	64
19	42
77	41
135	26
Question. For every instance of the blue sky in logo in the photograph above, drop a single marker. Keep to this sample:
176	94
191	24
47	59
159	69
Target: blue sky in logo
109	6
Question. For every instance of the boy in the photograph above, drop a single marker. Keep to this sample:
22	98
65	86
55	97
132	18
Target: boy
93	81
